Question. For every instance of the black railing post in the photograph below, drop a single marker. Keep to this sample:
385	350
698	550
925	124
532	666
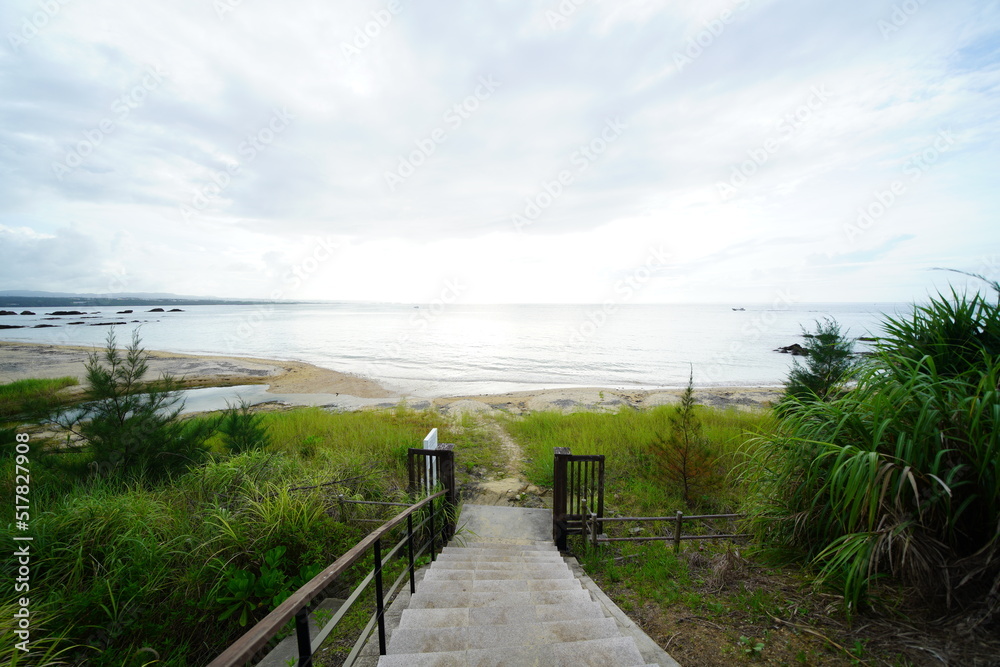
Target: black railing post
409	549
677	531
447	477
559	497
433	533
377	548
302	637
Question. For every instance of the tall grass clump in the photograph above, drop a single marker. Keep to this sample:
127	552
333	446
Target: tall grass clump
32	397
128	568
899	477
627	438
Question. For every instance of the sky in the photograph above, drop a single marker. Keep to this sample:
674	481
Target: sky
573	151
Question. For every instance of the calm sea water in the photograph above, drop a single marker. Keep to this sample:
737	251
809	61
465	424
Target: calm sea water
440	350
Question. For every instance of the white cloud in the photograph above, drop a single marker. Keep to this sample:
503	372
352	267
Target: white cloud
351	119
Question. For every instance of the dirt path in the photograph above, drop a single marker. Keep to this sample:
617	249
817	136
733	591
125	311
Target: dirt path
514	487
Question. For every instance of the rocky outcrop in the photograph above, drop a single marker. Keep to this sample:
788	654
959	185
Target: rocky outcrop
66	312
124	312
7	312
155	310
27	312
794	349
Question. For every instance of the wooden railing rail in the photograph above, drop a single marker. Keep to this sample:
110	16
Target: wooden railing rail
297	605
429	470
594	536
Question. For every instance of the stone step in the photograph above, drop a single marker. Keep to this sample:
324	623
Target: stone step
451	600
611	652
500	546
490	564
540	572
468	556
469	637
499	615
498	585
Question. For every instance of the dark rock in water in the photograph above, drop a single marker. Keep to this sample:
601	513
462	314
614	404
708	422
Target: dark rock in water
175	310
72	323
794	349
66	312
155	310
51	318
27	312
868	339
44	326
105	324
7	312
124	312
11	326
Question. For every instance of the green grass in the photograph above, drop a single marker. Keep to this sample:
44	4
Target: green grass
625	438
32	396
125	564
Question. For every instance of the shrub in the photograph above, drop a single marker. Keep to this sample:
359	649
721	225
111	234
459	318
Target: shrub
685	456
829	363
899	476
131	426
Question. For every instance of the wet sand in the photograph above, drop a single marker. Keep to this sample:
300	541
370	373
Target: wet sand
289	378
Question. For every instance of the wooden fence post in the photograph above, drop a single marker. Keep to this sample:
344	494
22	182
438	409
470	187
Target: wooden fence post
677	531
559	497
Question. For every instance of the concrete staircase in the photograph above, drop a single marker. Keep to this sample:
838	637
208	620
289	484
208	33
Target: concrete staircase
509	600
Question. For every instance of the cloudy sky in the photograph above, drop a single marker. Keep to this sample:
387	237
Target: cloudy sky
505	151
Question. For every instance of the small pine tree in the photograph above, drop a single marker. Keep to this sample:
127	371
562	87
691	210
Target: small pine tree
829	363
131	426
686	457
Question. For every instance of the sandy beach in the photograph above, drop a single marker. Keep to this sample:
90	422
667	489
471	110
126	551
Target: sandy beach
285	378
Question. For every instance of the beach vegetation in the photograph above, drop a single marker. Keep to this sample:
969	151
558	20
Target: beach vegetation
898	479
131	426
182	564
829	363
32	398
686	459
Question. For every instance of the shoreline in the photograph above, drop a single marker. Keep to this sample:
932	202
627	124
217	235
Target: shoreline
322	386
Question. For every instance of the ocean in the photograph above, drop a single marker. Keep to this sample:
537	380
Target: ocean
442	349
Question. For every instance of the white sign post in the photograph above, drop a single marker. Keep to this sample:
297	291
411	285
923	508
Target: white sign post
431	442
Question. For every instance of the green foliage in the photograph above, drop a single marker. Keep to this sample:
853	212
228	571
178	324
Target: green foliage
899	476
751	648
685	457
245	592
32	398
242	429
132	427
829	363
129	567
632	474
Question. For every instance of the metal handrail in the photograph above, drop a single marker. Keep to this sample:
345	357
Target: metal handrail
295	606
